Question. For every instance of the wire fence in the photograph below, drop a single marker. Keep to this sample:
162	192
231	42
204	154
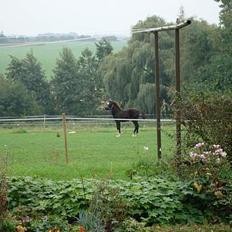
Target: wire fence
49	121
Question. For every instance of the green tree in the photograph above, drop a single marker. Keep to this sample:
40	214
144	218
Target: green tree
206	54
226	25
66	83
146	98
132	69
91	84
16	100
222	64
197	50
103	49
28	71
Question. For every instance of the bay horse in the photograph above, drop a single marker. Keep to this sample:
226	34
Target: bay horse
128	115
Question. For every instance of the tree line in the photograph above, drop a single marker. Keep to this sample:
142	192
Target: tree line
80	85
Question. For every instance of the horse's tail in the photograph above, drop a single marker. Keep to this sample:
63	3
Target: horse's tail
142	115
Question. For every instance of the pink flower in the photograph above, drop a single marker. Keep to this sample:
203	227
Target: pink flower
216	146
206	152
199	145
202	157
219	151
193	155
223	154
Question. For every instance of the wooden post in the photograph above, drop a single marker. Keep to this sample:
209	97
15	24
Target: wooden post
157	84
65	137
178	113
176	27
44	121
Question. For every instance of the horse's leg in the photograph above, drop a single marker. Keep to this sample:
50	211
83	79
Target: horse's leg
118	128
137	127
136	130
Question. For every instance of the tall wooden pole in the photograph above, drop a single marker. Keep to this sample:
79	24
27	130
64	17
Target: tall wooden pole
157	84
176	27
65	137
178	113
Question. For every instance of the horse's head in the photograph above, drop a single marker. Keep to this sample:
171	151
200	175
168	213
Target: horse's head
111	105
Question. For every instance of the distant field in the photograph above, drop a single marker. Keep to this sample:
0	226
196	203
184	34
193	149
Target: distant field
48	53
93	151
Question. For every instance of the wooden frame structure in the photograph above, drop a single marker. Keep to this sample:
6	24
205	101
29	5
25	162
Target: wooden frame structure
156	31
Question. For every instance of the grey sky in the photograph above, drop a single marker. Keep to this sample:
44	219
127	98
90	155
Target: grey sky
31	17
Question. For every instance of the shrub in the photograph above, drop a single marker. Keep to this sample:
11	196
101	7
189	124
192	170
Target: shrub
3	186
147	169
47	223
208	187
207	162
208	118
7	225
151	201
107	209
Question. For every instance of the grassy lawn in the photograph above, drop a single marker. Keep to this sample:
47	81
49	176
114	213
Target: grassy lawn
93	151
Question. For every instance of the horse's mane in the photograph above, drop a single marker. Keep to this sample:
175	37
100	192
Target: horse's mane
116	105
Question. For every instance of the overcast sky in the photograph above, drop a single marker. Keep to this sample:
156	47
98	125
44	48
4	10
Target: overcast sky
31	17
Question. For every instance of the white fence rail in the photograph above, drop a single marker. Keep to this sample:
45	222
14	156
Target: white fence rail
71	118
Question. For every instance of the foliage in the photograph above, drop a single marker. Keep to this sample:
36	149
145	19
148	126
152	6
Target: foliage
7	225
90	221
207	162
205	64
76	83
197	50
47	223
3	188
153	201
39	196
133	69
29	73
205	168
80	85
15	100
147	169
206	53
91	85
195	227
133	226
107	209
208	118
65	81
103	49
100	204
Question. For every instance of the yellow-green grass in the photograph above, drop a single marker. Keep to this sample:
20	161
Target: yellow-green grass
92	151
48	53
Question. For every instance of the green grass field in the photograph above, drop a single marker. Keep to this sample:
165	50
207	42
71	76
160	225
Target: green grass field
93	151
48	53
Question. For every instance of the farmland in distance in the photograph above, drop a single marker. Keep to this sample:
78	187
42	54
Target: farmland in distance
47	53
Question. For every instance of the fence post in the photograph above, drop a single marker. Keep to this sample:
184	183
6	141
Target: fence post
44	121
65	137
